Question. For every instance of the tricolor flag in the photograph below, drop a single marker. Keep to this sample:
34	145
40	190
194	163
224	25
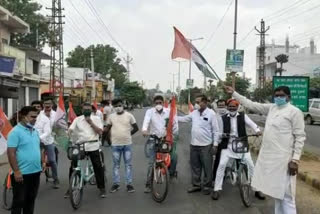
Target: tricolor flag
71	114
185	50
173	112
5	128
190	107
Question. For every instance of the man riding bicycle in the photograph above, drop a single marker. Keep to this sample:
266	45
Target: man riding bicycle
234	125
88	128
155	123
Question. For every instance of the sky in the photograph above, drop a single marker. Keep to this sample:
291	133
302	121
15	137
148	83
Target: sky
144	30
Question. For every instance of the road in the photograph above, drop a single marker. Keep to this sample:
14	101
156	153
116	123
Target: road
179	201
312	143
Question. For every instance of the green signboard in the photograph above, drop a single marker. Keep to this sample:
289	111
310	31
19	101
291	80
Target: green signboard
299	87
234	60
189	83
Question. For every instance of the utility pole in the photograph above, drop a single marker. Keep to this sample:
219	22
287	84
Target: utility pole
179	86
37	36
93	80
235	40
128	61
262	33
56	46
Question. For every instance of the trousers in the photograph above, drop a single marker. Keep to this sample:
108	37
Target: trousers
288	204
126	152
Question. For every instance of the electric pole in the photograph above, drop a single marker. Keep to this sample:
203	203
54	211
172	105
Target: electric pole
56	46
93	80
262	33
128	61
235	40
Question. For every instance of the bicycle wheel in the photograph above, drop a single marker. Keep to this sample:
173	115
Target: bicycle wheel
48	173
7	194
159	182
245	186
75	189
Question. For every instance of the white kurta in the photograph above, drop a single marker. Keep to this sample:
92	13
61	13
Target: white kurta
283	140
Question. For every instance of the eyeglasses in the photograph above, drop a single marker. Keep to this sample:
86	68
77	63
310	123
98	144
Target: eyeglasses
158	103
118	106
281	96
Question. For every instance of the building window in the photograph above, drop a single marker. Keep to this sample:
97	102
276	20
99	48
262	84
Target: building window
35	67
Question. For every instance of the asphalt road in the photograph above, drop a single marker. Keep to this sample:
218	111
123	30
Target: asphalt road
51	201
312	143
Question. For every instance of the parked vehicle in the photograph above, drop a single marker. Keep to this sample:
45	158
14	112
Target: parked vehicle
314	111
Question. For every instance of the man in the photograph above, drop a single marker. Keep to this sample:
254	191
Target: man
221	110
155	123
87	128
48	104
25	160
233	123
43	126
107	111
282	144
122	125
97	112
204	133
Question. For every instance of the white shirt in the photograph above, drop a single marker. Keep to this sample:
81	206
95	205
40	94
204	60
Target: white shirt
84	132
234	124
98	114
205	128
43	126
121	128
52	117
283	141
156	122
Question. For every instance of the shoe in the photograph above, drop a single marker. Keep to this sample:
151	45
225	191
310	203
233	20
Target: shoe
206	191
103	193
259	195
147	189
114	188
130	189
215	195
56	184
194	189
67	194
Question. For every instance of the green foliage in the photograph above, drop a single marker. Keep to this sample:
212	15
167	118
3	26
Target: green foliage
105	61
263	94
133	93
242	85
282	59
315	83
27	10
184	95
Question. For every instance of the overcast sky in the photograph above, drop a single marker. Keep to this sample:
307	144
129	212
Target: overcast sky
143	28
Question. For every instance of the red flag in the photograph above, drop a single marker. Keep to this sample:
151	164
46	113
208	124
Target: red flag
173	112
166	104
60	118
72	115
95	104
5	128
182	47
190	107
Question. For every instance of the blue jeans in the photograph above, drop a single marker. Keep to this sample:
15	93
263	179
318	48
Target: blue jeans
51	153
117	152
150	154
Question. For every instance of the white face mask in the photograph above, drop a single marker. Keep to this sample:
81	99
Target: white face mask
119	109
196	106
222	111
159	107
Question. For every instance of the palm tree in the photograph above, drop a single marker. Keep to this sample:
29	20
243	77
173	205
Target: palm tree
282	58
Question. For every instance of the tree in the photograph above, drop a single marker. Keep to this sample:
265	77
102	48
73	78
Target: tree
282	59
242	85
133	93
105	61
263	94
27	10
315	83
193	93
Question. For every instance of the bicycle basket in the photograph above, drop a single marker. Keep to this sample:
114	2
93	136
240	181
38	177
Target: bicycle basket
75	152
240	145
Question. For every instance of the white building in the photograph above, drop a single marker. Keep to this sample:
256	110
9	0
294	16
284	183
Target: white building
302	61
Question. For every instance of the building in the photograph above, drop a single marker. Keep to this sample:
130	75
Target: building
302	61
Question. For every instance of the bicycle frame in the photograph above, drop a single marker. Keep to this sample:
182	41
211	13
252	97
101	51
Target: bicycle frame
84	171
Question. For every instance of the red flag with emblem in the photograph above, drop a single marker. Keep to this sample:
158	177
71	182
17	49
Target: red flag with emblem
5	128
173	112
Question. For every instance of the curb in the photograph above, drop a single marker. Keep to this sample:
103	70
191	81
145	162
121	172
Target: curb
303	176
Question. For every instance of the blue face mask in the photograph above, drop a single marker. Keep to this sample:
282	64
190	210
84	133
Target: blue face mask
280	101
29	125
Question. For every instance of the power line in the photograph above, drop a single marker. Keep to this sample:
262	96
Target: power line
219	24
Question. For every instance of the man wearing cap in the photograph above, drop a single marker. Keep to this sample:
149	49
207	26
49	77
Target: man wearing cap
233	124
282	144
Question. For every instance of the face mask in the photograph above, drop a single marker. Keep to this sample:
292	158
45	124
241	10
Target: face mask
196	106
233	113
221	111
280	101
119	109
87	113
159	107
29	125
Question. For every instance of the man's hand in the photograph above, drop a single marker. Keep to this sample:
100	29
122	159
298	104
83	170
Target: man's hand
229	89
259	133
145	133
18	176
44	167
293	168
214	150
88	119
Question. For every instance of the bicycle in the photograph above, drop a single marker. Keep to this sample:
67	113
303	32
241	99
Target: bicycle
81	174
160	173
238	172
7	194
